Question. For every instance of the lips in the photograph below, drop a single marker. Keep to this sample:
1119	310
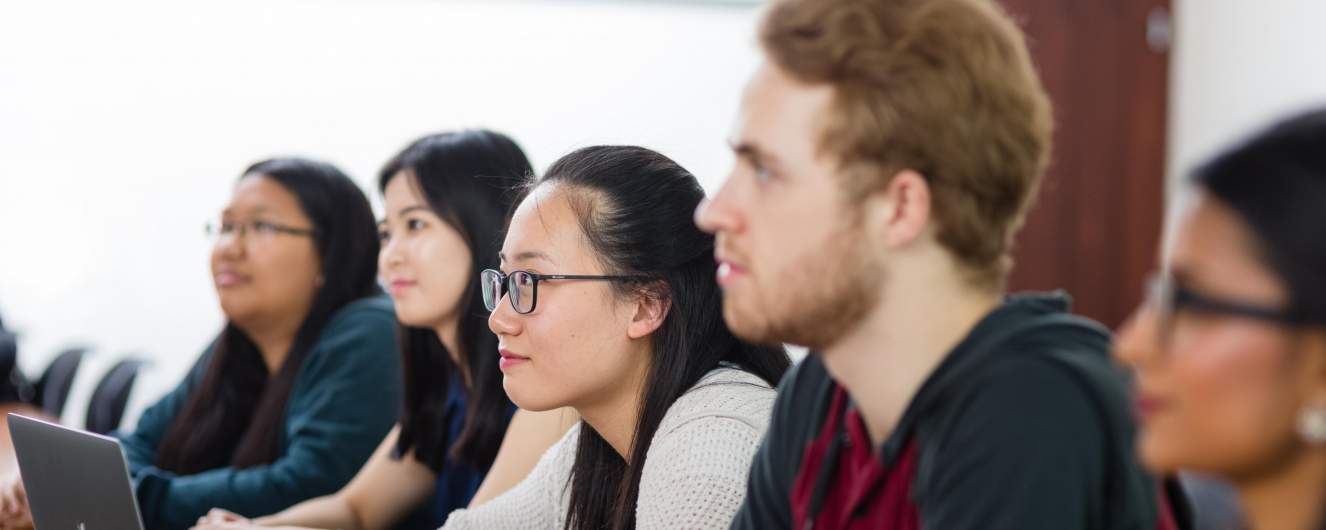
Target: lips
1146	406
510	359
399	286
728	271
226	278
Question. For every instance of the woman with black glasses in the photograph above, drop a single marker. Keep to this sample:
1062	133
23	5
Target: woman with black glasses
607	302
1230	350
303	380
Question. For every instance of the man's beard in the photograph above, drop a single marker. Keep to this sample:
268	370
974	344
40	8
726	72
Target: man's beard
820	296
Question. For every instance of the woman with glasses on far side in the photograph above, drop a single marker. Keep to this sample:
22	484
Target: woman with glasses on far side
1230	350
302	382
607	302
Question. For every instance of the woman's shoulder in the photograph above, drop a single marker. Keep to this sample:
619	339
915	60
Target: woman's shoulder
726	395
371	319
698	461
556	462
563	453
538	501
359	337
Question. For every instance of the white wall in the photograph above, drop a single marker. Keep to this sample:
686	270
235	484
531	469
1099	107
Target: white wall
1236	66
123	125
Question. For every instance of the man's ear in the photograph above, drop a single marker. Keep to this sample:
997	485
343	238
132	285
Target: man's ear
900	212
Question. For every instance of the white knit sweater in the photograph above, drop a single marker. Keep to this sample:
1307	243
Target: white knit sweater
695	471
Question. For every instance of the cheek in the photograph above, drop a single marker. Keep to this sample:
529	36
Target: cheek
382	264
286	272
214	259
770	234
578	355
815	230
1232	407
820	261
443	273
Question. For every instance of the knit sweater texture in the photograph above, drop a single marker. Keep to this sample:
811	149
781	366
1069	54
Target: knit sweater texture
695	470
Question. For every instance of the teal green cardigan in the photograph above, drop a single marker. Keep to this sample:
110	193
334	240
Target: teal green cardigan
346	397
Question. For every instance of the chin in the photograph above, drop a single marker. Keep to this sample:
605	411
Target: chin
1155	455
746	325
526	400
236	310
413	318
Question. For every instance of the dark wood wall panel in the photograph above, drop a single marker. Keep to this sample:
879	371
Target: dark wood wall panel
1095	228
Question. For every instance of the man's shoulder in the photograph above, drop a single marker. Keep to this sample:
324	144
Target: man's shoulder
803	400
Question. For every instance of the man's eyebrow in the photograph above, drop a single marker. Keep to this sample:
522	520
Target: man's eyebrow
750	150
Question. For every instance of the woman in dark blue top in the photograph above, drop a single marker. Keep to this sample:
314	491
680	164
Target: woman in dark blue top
301	383
446	200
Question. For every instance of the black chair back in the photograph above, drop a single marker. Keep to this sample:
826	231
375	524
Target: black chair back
106	408
56	381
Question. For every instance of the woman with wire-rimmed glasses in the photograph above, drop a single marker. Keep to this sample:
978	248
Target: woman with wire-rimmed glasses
303	379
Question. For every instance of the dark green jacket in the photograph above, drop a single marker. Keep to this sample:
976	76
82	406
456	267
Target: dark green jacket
1025	425
345	398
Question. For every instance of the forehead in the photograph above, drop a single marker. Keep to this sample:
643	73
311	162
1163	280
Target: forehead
545	222
402	190
1213	246
780	112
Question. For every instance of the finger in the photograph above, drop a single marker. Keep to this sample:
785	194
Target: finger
220	516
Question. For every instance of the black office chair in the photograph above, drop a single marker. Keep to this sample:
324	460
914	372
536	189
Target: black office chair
106	408
57	379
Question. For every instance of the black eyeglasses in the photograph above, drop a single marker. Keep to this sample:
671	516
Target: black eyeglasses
1169	298
522	287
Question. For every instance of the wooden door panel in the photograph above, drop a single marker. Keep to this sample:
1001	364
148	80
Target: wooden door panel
1095	228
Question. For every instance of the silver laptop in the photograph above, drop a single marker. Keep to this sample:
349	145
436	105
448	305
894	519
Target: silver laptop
75	480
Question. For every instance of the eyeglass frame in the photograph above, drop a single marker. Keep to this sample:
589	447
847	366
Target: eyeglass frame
534	287
1168	298
217	229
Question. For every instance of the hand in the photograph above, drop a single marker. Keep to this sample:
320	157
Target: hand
14	512
218	518
221	525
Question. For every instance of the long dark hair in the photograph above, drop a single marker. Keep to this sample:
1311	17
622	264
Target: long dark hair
1276	182
234	417
634	206
468	179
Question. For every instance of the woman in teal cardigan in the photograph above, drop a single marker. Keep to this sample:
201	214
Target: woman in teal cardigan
344	399
304	379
